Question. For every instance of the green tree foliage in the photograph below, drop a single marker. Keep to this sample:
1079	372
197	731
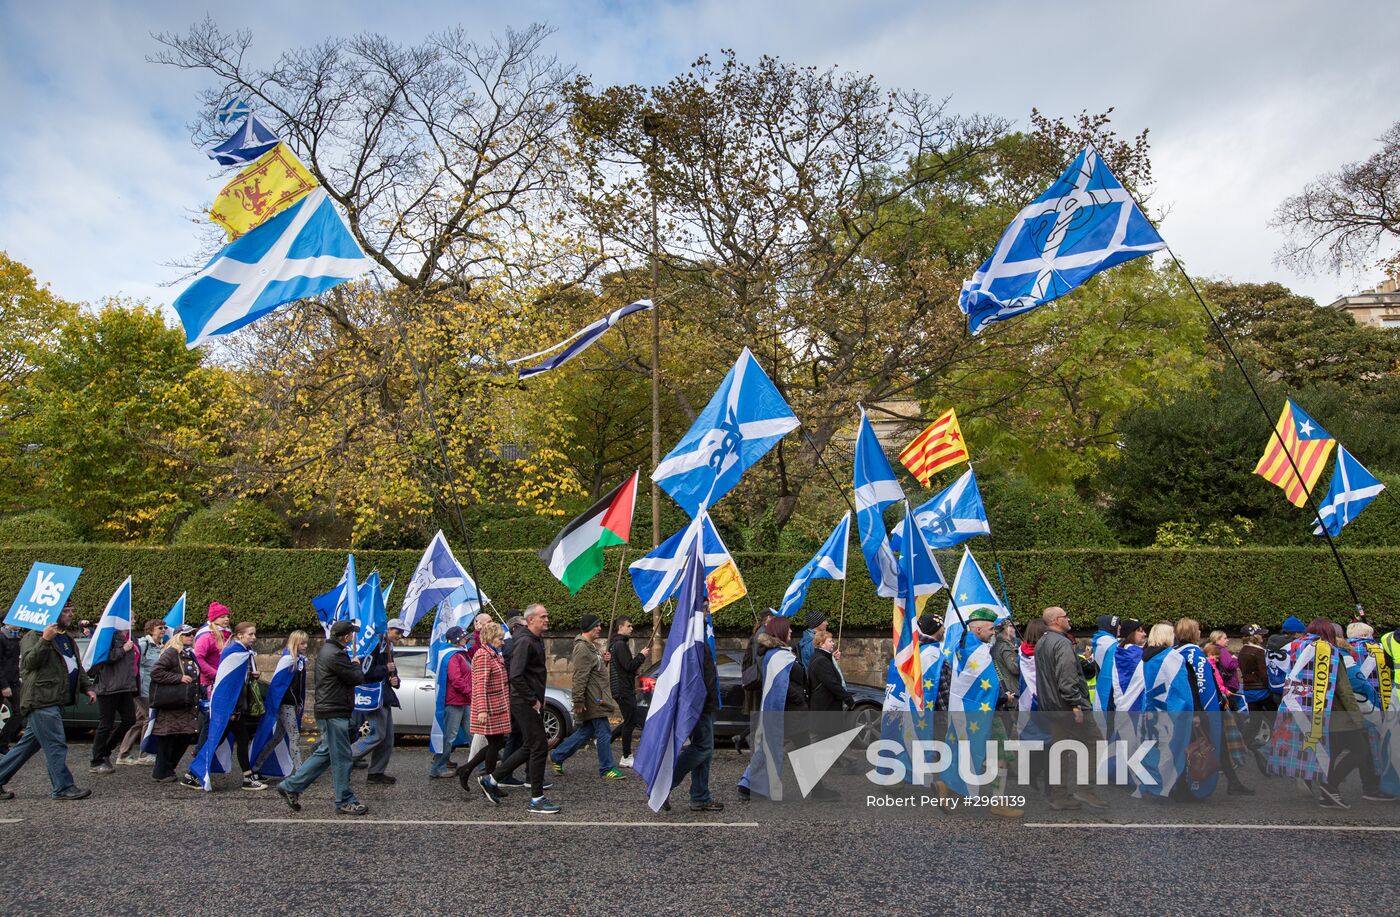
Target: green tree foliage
38	526
242	523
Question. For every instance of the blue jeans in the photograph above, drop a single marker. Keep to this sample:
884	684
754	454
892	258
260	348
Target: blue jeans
597	728
333	751
452	717
44	730
695	758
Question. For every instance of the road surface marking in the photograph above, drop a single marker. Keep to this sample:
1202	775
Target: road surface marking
501	823
1210	827
10	821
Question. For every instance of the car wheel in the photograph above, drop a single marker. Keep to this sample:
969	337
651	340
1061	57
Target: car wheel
867	717
555	727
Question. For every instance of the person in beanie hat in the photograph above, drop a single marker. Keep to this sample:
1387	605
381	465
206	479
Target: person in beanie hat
811	637
336	677
593	702
932	657
625	664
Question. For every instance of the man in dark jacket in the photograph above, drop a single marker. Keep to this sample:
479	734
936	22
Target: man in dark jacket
117	681
9	684
336	677
625	664
1062	692
53	676
525	667
378	746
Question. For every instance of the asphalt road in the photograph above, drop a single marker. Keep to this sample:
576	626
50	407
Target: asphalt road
136	847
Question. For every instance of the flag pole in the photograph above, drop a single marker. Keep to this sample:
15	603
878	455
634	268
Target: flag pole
835	480
617	589
841	615
1259	399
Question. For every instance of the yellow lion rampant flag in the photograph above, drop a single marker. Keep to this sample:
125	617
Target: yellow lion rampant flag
275	181
725	585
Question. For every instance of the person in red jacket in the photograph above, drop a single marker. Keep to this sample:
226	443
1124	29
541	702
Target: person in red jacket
490	705
455	702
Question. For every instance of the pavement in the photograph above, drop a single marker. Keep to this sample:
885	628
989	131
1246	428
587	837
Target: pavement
136	847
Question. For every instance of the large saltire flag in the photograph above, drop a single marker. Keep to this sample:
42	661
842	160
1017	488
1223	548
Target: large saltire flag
251	140
578	342
279	762
1166	695
745	418
303	251
1353	488
576	554
657	576
232	111
939	446
1297	435
339	604
437	576
459	609
876	489
436	735
1086	222
828	563
116	617
764	773
215	756
679	694
276	181
954	514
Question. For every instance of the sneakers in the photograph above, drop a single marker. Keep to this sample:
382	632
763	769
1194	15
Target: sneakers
493	793
6	794
557	767
512	781
101	767
352	808
253	783
613	774
710	806
542	806
293	800
627	761
192	782
1378	796
382	779
72	792
1329	799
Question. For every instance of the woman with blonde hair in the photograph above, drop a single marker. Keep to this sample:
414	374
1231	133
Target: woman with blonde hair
1209	699
490	709
285	703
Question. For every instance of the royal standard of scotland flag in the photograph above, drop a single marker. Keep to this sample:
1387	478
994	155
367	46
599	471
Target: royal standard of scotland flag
828	563
250	141
1353	488
679	694
116	617
1084	223
876	489
954	515
303	251
279	760
215	757
657	576
745	418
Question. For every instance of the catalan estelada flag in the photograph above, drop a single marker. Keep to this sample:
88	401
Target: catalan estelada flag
938	447
1298	435
273	182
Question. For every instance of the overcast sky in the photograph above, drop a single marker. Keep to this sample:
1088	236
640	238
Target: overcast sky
1245	101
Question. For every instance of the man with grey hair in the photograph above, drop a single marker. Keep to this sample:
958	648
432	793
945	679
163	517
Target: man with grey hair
1063	694
525	668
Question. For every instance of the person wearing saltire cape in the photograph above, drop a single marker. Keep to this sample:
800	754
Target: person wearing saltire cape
974	696
228	705
1124	679
784	689
1163	682
275	752
1030	726
1208	700
454	694
1375	672
1104	644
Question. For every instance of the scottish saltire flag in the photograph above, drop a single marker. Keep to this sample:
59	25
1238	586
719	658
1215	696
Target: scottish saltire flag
1084	223
436	735
437	576
1129	688
954	515
579	341
251	140
828	563
745	418
116	617
279	763
175	617
972	702
657	575
972	591
764	774
303	251
1103	647
679	694
1166	725
340	603
876	489
372	617
231	111
1353	488
457	610
216	756
149	741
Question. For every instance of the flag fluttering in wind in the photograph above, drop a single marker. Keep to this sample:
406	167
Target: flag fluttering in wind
175	617
116	617
215	756
973	591
1297	435
436	577
939	446
579	341
276	181
459	609
231	111
1086	222
954	515
371	615
679	694
745	418
303	251
339	603
1353	488
919	576
250	141
576	554
876	489
656	576
828	563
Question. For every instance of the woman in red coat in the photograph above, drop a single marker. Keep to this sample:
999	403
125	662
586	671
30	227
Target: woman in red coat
490	712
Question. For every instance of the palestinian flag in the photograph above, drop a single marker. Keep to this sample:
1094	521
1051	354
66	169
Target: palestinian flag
576	555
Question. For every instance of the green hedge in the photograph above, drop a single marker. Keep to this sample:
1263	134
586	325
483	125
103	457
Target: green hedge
1222	587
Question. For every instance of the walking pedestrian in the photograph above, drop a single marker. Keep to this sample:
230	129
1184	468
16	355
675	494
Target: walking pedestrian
1007	658
174	696
289	709
1062	693
827	686
337	675
527	673
455	691
815	631
53	675
625	665
148	651
750	672
378	747
699	751
593	702
10	637
938	676
209	643
117	681
490	707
